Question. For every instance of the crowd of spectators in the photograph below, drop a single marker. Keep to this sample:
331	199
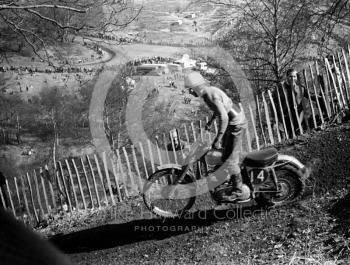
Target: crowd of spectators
150	60
32	69
126	40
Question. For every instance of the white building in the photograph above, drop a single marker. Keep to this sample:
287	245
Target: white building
186	62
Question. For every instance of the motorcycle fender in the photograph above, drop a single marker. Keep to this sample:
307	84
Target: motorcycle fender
165	166
292	160
306	170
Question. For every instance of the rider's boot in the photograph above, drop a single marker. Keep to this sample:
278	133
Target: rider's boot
237	193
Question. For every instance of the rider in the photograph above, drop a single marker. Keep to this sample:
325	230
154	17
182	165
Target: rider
232	122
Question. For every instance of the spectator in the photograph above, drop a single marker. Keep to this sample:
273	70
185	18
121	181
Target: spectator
296	98
335	91
176	144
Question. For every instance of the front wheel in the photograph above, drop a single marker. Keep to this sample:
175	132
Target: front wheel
160	193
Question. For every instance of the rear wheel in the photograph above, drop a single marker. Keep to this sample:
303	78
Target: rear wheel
161	193
290	187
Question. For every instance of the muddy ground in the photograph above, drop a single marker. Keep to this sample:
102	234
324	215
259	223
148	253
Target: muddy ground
312	231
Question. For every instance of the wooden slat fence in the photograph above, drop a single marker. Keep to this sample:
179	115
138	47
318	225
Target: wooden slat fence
96	181
9	136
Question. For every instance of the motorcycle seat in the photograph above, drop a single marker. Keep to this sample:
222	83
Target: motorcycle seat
261	158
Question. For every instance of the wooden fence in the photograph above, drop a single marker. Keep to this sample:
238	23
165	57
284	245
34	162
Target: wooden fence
96	181
9	136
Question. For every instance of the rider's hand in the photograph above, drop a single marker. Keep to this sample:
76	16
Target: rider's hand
217	141
216	145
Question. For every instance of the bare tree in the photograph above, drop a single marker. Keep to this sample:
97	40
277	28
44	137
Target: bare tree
39	23
269	36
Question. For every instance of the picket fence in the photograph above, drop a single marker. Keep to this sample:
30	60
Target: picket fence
96	181
9	136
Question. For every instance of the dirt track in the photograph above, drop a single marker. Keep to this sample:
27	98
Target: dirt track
289	235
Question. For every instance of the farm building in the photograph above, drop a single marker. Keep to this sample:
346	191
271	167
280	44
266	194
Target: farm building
186	62
152	69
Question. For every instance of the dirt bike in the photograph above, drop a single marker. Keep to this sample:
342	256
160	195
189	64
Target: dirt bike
267	177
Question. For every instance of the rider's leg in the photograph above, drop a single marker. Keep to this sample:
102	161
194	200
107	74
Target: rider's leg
231	154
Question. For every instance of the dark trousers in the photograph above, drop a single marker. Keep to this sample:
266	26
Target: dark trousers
231	143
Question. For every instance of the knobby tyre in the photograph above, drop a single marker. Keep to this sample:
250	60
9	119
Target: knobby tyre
291	185
160	204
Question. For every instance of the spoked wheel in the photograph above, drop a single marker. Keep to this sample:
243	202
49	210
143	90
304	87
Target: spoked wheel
165	196
290	186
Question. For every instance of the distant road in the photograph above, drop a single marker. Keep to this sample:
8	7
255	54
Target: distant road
120	54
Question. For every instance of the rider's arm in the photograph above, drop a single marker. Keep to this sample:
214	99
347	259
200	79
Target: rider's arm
211	120
219	110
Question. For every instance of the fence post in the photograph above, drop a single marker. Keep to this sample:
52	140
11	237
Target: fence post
151	155
87	181
66	188
79	184
17	193
347	72
282	112
333	82
158	152
166	147
51	187
194	132
129	168
254	127
32	198
316	94
116	179
143	158
3	200
186	134
308	93
72	184
289	111
101	178
173	147
201	130
120	166
59	185
10	198
94	181
108	179
260	119
272	141
48	208
38	192
339	83
137	167
326	102
330	93
345	91
276	116
26	199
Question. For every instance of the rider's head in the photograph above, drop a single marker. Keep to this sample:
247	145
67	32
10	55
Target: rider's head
195	82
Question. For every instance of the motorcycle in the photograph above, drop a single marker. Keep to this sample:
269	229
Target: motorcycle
267	177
